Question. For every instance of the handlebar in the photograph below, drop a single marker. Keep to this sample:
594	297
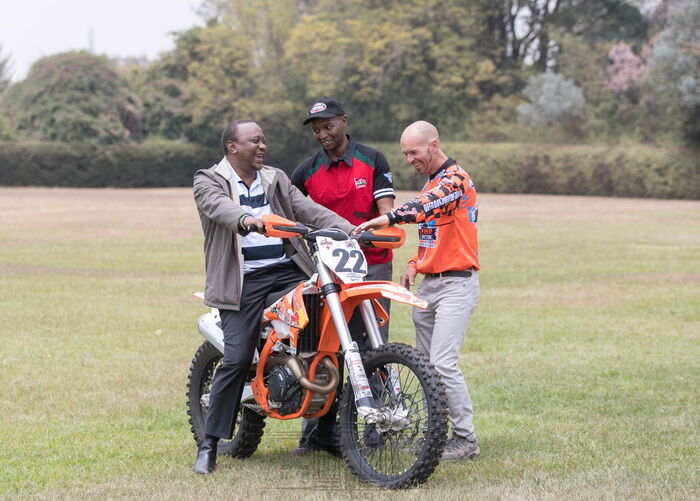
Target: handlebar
251	228
277	226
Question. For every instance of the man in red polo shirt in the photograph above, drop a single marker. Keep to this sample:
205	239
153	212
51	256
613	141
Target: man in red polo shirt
354	181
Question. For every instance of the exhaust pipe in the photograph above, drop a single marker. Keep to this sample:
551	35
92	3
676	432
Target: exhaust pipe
299	373
209	327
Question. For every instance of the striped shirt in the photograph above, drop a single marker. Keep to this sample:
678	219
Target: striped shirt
259	251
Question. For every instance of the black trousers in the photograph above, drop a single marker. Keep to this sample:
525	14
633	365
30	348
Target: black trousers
241	333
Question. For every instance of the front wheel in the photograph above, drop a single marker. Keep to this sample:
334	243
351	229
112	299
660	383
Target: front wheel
404	450
249	425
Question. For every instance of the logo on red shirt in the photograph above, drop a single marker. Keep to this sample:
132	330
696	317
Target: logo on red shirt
360	183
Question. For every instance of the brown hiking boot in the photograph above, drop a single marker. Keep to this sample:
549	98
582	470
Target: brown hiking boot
460	448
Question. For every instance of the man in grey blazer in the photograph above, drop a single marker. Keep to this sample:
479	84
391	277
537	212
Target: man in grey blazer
242	268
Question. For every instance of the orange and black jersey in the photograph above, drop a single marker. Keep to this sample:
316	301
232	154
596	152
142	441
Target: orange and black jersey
447	213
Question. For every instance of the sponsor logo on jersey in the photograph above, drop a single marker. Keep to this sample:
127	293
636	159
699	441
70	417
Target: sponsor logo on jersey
427	234
360	183
442	201
473	214
388	176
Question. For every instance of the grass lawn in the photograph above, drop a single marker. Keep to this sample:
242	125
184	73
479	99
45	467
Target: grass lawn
583	357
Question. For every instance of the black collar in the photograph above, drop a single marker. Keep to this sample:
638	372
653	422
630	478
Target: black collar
444	166
348	155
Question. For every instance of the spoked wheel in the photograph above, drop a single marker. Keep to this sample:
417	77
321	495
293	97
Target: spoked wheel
249	424
405	449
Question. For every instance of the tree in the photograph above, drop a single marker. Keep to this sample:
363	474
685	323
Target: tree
272	92
74	96
213	77
461	64
586	63
527	32
626	69
391	62
674	67
166	111
4	71
6	132
554	100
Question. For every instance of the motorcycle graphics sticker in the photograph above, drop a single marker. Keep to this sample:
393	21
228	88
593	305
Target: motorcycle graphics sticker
356	371
395	292
344	257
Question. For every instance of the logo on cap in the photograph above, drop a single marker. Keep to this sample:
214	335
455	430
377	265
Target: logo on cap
317	107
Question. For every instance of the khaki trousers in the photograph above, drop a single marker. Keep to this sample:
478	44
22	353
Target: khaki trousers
440	331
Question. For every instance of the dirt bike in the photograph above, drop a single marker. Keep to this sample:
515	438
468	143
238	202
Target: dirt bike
393	408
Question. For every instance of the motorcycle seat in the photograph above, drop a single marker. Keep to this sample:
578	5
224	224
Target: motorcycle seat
274	296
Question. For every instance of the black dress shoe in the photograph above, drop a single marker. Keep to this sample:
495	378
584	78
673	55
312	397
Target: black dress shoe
329	443
206	456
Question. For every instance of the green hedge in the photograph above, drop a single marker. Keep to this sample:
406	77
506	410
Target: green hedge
625	171
149	164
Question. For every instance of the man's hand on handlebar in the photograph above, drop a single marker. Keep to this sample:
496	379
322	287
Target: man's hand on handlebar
253	224
376	223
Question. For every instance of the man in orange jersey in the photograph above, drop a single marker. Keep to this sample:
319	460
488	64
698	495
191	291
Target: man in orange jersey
446	211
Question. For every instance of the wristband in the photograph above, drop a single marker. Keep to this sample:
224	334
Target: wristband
240	221
391	215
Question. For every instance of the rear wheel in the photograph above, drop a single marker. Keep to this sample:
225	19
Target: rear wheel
249	426
403	451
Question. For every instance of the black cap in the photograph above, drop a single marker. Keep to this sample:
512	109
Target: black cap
324	108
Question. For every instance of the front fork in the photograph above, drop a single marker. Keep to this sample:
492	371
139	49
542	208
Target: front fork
367	311
365	403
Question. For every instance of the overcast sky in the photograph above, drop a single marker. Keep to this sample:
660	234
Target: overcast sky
32	29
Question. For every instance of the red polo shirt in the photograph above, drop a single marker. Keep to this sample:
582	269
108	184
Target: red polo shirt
349	187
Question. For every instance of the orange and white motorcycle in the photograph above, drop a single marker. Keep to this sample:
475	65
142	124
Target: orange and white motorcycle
393	409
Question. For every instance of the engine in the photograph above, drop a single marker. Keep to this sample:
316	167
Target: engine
284	391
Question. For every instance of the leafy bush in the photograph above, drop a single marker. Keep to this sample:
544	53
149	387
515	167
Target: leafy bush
149	164
638	171
6	132
74	97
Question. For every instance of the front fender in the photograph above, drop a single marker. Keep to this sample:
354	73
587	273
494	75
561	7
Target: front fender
390	290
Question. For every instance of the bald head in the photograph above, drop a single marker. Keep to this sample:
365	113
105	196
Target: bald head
420	144
421	130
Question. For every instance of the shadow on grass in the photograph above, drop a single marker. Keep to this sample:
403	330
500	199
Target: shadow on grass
313	471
